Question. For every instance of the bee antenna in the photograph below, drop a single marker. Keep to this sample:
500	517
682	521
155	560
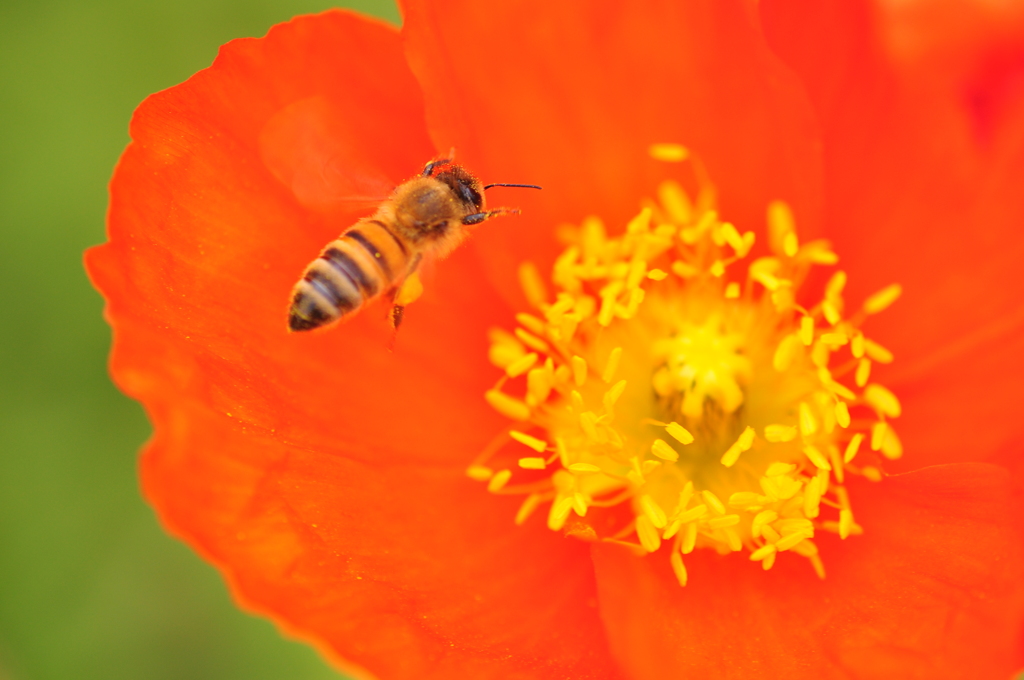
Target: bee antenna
523	186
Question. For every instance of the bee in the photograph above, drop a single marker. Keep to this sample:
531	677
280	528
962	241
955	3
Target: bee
427	216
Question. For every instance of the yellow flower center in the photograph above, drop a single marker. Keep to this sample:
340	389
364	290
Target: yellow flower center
674	373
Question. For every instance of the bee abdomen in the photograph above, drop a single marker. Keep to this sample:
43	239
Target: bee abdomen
337	283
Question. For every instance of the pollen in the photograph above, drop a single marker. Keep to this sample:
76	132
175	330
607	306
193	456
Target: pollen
676	372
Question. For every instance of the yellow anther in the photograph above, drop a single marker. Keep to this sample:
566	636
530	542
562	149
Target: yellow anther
878	432
742	443
790	245
819	252
857	345
807	330
732	539
780	223
637	273
538	445
779	433
777	469
732	291
842	414
684	497
579	370
872	473
532	463
693	514
831	312
675	201
530	504
506	405
852	447
882	400
722	522
877	352
742	499
817	457
532	284
613	394
823	479
808	423
532	323
612	365
505	348
653	511
579	504
812	498
577	402
770	534
657	275
845	523
588	423
647	533
679	433
763	552
520	366
835	340
891	447
479	473
863	372
560	510
712	500
717	269
785	353
790	541
684	270
689	539
538	385
835	285
670	153
532	342
499	480
762	519
662	450
583	467
883	298
678	568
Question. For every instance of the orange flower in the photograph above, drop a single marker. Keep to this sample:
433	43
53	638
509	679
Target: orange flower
326	476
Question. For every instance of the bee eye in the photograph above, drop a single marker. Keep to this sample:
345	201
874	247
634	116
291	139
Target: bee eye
469	195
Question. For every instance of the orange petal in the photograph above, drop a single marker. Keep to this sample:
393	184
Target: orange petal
570	95
917	193
206	242
409	571
321	473
932	589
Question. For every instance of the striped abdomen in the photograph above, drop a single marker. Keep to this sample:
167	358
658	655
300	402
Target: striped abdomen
364	262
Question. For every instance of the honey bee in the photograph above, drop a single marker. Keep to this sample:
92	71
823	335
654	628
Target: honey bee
428	215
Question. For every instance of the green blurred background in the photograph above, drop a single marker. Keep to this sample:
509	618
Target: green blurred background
90	586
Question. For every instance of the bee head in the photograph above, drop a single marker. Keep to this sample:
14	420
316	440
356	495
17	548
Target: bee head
467	188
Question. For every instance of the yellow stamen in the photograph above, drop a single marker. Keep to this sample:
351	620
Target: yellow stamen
671	153
679	433
882	299
538	445
532	463
685	342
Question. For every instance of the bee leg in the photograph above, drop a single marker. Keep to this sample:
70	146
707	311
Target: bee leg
477	218
397	312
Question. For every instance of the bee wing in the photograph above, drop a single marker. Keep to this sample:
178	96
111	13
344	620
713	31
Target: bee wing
314	151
